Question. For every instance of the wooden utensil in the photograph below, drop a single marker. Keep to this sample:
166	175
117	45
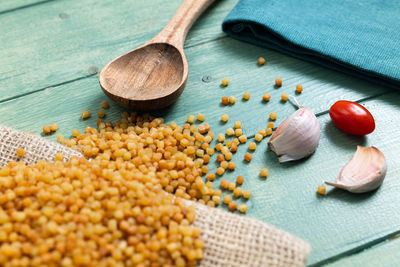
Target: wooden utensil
154	75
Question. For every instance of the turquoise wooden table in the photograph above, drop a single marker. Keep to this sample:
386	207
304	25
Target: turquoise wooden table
51	52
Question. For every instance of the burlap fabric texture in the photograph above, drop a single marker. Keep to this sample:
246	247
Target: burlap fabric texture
230	239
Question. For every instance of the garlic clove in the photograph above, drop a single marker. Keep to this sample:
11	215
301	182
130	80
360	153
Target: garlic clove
364	172
297	136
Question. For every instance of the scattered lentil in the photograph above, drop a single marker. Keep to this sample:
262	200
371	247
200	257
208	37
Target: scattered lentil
243	208
231	165
243	139
246	194
58	156
53	127
239	179
237	192
221	137
225	82
252	146
85	114
190	119
224	164
224	184
299	88
238	132
46	129
273	116
227	199
20	152
268	131
232	100
220	171
270	125
232	206
264	172
224	118
284	97
104	104
229	132
231	186
248	156
225	100
201	117
261	61
278	82
321	190
258	137
246	95
266	97
237	124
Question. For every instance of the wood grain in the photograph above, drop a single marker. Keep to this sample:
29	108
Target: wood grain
154	75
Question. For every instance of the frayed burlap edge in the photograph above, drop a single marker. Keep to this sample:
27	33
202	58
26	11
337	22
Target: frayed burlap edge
230	239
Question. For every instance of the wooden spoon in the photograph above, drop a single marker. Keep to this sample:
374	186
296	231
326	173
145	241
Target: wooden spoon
154	75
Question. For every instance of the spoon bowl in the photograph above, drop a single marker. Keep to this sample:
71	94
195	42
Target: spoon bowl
149	77
154	75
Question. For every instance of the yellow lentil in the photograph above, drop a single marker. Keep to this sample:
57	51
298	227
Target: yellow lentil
231	165
101	113
104	104
229	132
220	157
237	124
266	97
261	61
58	156
270	125
232	100
228	156
224	184
321	190
20	152
258	137
239	179
53	127
246	95
46	129
85	114
246	194
233	147
225	100
268	131
224	118
284	97
248	156
231	186
237	192
201	117
225	82
75	133
242	139
243	208
221	137
264	172
190	119
220	171
232	205
60	138
278	82
210	176
238	132
216	199
273	116
252	146
299	88
224	164
227	199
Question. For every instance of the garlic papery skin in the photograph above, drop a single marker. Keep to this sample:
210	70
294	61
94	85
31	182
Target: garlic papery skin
296	137
364	172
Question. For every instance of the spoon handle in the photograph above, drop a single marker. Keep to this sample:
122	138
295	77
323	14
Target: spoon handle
177	28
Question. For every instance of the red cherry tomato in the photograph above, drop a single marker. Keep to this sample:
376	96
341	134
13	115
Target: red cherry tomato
352	118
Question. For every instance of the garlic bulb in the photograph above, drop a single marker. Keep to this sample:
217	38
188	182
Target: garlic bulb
364	172
297	136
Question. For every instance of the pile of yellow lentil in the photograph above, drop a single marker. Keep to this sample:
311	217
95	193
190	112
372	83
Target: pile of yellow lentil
81	213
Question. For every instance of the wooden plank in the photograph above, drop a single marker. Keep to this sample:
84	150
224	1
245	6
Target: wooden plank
385	254
333	224
13	5
67	40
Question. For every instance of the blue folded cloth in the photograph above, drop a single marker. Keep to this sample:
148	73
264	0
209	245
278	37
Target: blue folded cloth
357	37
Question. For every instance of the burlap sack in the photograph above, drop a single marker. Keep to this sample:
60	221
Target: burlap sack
230	239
